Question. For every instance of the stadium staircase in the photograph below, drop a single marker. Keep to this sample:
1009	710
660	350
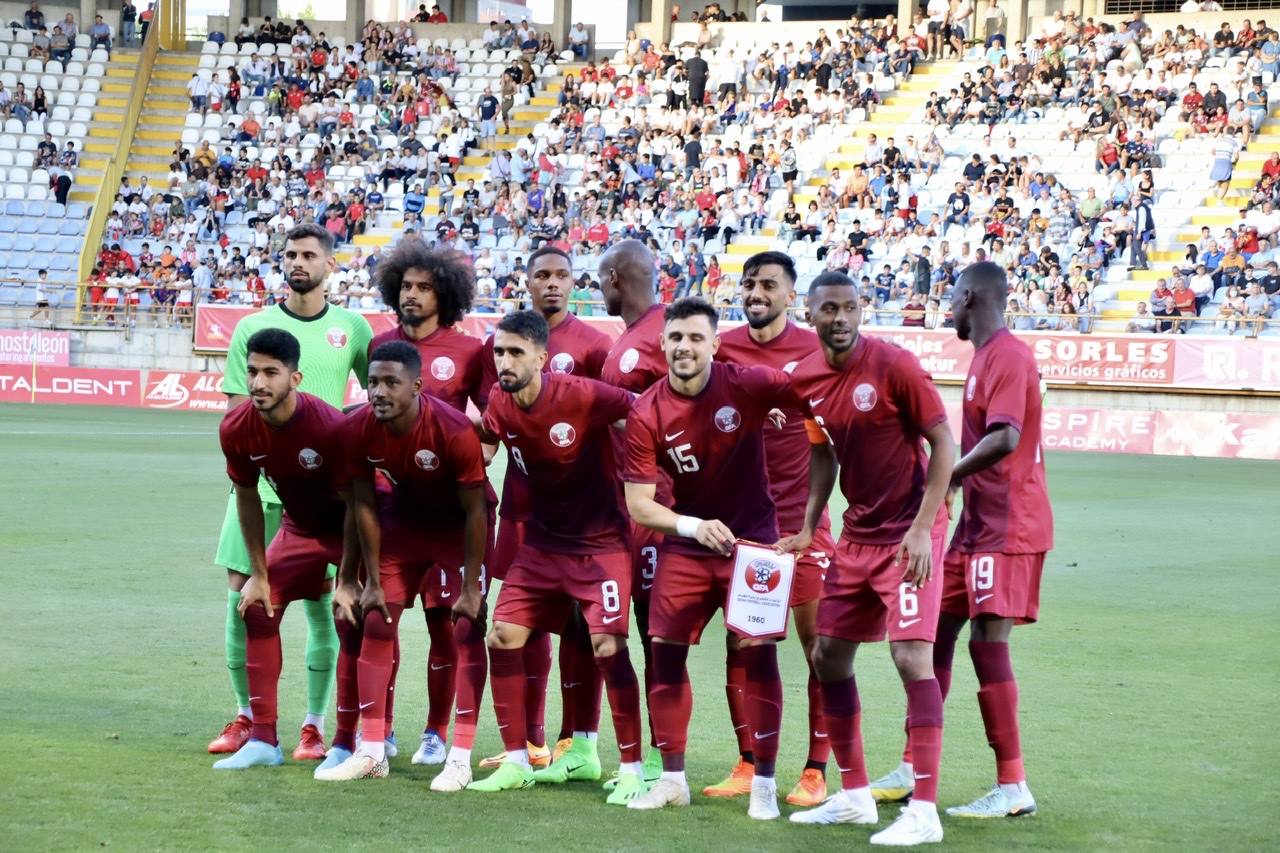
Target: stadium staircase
107	125
164	112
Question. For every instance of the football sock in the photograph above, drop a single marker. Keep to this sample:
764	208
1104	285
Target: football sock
244	711
587	736
375	749
944	652
537	672
348	715
506	681
472	666
262	665
565	660
843	713
998	702
671	703
735	692
460	754
322	653
588	692
377	656
390	704
819	743
764	704
924	720
676	776
519	756
235	637
441	669
624	703
316	720
636	767
640	607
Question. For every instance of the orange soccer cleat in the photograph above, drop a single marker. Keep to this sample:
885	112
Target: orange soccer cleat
310	745
737	784
234	735
810	791
539	757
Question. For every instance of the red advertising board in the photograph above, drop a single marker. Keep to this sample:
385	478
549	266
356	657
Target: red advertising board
84	385
35	346
171	389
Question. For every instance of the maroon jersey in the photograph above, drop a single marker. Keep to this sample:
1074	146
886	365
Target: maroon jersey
425	467
560	450
451	365
712	448
302	460
1006	507
875	410
636	360
786	450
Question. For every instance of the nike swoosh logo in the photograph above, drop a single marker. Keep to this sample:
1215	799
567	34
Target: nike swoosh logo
626	745
435	668
819	734
375	461
511	435
503	725
842	769
251	698
759	736
907	623
983	598
445	594
253	458
364	705
743	726
814	403
346	710
461	711
674	435
924	775
609	620
646	586
568	685
659	745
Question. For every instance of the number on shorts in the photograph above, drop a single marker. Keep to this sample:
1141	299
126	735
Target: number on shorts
609	596
649	570
682	456
984	572
519	459
908	603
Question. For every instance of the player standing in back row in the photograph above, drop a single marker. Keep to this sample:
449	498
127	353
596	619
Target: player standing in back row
334	343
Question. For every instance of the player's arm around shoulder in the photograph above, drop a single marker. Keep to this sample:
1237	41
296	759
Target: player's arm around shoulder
235	373
361	345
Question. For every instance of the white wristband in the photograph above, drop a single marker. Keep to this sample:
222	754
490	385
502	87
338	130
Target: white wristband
687	526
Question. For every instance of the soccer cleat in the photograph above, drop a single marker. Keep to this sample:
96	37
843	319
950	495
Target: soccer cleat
663	793
626	787
310	745
810	790
361	765
579	763
840	807
455	776
508	777
390	745
737	783
764	799
254	753
653	765
234	735
432	750
562	746
335	756
912	827
894	787
539	757
998	804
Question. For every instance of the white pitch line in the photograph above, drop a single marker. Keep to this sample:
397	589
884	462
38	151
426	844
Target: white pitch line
95	432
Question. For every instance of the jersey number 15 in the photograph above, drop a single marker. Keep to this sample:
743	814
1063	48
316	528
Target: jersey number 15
683	458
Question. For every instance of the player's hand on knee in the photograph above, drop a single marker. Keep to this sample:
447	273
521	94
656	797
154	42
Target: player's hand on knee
256	591
713	534
372	600
794	544
346	603
915	555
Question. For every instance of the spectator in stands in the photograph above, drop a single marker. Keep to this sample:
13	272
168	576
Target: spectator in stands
579	40
198	92
60	44
33	18
1143	320
437	16
69	27
100	33
129	23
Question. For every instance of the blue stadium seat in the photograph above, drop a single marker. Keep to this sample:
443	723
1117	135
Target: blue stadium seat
46	245
23	243
36	208
56	211
235	217
78	210
71	227
8	225
4	261
14	208
60	262
6	243
17	262
27	296
47	226
8	295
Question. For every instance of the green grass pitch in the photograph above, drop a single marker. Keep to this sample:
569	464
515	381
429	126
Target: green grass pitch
1148	691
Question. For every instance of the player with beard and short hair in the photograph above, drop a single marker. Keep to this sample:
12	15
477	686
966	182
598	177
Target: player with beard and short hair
876	407
436	515
573	348
431	292
294	441
575	549
991	576
334	344
771	339
703	427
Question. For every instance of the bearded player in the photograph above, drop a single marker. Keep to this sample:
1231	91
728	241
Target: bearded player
431	293
435	515
703	427
992	571
770	338
575	548
878	409
334	343
573	348
294	441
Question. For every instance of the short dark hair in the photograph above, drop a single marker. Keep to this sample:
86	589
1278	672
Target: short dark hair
691	306
277	344
530	325
760	259
311	230
832	279
549	250
451	277
399	351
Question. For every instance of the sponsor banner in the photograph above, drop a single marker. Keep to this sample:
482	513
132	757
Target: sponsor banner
171	389
35	346
84	385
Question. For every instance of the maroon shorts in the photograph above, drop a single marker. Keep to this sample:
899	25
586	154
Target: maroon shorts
811	567
298	564
645	544
510	538
422	561
993	584
686	593
542	586
864	597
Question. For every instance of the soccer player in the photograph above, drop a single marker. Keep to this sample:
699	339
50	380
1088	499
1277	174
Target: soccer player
991	576
703	426
878	408
334	343
430	293
294	441
573	348
770	338
575	549
435	516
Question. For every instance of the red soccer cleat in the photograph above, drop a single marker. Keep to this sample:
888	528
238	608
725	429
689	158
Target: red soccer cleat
234	735
310	745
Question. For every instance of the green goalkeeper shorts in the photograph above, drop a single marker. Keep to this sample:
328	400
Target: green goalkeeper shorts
232	553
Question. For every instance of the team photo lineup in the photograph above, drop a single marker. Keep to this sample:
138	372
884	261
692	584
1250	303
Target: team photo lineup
650	481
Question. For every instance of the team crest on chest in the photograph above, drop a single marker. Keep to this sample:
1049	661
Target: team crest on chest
309	459
442	368
336	338
563	434
629	360
790	366
562	362
728	419
970	387
426	460
865	397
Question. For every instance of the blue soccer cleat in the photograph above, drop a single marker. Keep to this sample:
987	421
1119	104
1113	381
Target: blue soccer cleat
255	753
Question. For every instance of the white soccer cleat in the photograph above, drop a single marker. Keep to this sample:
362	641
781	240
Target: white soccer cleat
431	750
335	756
764	799
998	804
455	776
840	807
913	826
896	786
665	792
361	765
